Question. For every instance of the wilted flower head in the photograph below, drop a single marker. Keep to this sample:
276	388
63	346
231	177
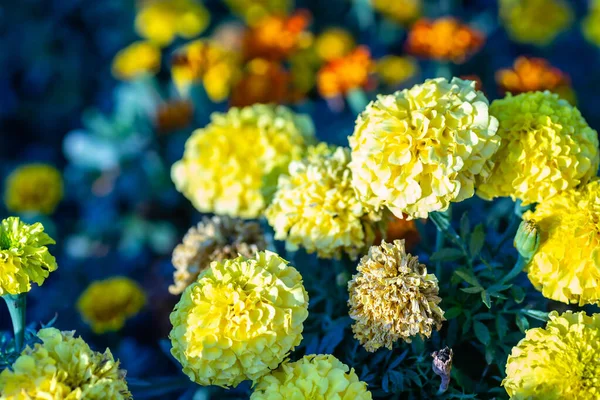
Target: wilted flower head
311	377
442	366
443	39
547	147
557	362
239	320
535	74
24	257
161	21
63	367
231	166
566	266
393	297
262	81
591	23
173	115
341	75
216	67
213	239
535	22
33	188
402	11
315	206
254	11
107	304
334	43
394	70
419	149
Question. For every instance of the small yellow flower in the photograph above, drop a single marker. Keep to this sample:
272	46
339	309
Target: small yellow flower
393	297
137	59
312	377
536	22
231	166
402	11
33	188
420	149
557	362
160	21
334	43
63	367
591	23
239	320
394	70
547	147
24	257
106	304
253	11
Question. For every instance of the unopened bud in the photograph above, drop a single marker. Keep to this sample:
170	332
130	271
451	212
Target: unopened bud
527	239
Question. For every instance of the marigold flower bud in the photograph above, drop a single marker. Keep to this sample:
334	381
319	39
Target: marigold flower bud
527	239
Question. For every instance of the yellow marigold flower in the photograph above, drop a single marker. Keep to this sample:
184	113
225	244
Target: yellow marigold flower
231	166
557	362
160	21
547	147
315	206
419	149
239	320
394	70
536	22
402	11
254	11
566	266
24	257
213	239
591	23
137	59
63	367
106	304
33	188
341	75
334	43
393	297
205	61
443	39
317	377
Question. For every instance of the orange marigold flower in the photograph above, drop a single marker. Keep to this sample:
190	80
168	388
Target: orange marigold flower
277	37
443	39
398	229
262	81
344	74
173	115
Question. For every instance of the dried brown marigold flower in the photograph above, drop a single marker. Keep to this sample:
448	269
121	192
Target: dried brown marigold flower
393	297
213	239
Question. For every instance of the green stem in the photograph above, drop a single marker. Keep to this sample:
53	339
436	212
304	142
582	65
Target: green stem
439	244
442	221
16	307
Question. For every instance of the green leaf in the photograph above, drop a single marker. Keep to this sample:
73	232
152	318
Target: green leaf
501	326
446	254
515	271
522	322
482	333
536	314
397	380
467	277
477	240
485	297
490	353
453	312
440	220
518	294
472	289
465	226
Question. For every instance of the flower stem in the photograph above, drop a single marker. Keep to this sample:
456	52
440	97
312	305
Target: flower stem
443	223
439	244
16	307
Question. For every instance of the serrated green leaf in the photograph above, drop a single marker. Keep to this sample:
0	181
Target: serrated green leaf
477	240
490	353
453	312
501	326
446	254
522	322
465	226
485	298
536	314
467	277
482	333
518	294
472	289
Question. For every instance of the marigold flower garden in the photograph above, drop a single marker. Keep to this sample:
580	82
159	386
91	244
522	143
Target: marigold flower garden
252	199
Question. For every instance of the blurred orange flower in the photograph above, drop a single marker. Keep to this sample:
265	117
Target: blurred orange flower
173	115
401	229
262	81
344	74
276	37
443	39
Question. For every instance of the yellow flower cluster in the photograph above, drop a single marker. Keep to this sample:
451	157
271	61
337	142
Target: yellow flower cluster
557	362
393	297
63	367
137	59
591	23
24	257
394	70
419	149
161	21
315	206
535	22
402	11
566	266
106	304
315	377
239	320
334	43
231	166
547	147
33	188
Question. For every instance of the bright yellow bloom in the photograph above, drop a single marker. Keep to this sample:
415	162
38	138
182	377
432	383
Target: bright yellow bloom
231	166
239	320
394	70
393	297
160	21
566	266
63	367
33	188
547	147
137	59
207	62
334	43
106	304
315	206
253	11
402	11
591	23
536	22
419	149
24	257
557	362
315	377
